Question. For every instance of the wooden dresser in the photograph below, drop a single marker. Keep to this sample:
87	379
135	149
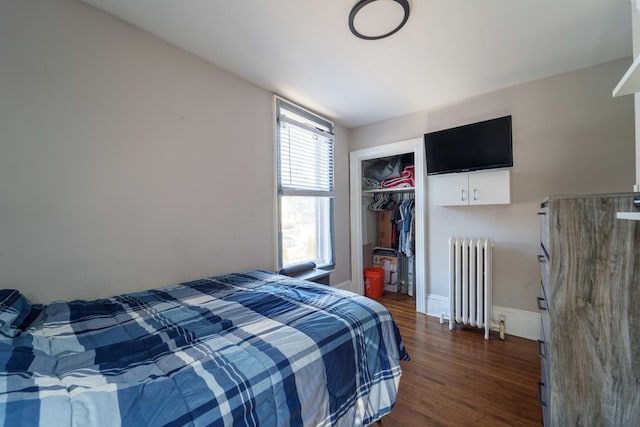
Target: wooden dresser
590	305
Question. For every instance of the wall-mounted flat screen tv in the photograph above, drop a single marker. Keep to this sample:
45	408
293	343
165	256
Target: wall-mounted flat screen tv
476	146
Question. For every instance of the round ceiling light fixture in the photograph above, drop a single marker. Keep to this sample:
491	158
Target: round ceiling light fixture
373	21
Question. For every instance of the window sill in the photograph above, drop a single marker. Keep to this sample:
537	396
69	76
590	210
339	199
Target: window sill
307	271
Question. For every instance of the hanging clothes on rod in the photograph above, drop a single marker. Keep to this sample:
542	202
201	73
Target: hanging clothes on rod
382	202
403	218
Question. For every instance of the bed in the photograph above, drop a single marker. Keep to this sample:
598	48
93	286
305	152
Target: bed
247	349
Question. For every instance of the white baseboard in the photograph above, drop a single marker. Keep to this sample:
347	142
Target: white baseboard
520	323
437	304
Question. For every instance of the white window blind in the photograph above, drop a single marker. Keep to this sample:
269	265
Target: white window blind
305	157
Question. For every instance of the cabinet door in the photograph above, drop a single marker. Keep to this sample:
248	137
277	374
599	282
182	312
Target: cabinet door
490	188
450	190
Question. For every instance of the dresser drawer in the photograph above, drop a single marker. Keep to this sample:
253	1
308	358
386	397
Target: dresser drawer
543	349
544	395
545	318
543	342
543	214
545	273
543	353
543	300
546	332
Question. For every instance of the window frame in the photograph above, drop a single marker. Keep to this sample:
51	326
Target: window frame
310	121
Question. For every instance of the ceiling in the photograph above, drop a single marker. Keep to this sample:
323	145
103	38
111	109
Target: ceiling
449	50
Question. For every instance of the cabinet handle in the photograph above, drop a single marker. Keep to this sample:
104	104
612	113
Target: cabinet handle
476	194
542	259
542	307
462	195
541	349
540	387
542	213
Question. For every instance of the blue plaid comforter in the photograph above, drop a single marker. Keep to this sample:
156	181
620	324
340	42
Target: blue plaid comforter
242	349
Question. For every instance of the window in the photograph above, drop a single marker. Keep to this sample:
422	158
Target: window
305	186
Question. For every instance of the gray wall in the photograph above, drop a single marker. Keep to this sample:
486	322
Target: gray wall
569	136
126	163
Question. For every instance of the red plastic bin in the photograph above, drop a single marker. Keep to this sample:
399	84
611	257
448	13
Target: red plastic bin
373	282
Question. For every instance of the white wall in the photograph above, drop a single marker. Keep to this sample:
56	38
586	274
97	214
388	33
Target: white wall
569	136
126	163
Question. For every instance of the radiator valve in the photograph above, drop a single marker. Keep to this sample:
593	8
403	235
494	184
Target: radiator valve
502	329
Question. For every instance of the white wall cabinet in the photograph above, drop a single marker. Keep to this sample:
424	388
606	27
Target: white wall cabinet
473	188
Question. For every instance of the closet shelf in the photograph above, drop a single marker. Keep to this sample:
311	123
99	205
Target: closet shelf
390	190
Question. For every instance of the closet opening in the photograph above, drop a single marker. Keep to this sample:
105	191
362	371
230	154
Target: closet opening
387	218
389	234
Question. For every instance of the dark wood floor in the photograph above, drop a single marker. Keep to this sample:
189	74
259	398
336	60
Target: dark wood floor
456	378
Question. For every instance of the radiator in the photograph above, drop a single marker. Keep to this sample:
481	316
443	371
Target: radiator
470	282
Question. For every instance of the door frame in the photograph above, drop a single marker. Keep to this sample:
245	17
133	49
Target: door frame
415	146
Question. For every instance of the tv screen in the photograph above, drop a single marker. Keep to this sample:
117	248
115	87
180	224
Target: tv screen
482	145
